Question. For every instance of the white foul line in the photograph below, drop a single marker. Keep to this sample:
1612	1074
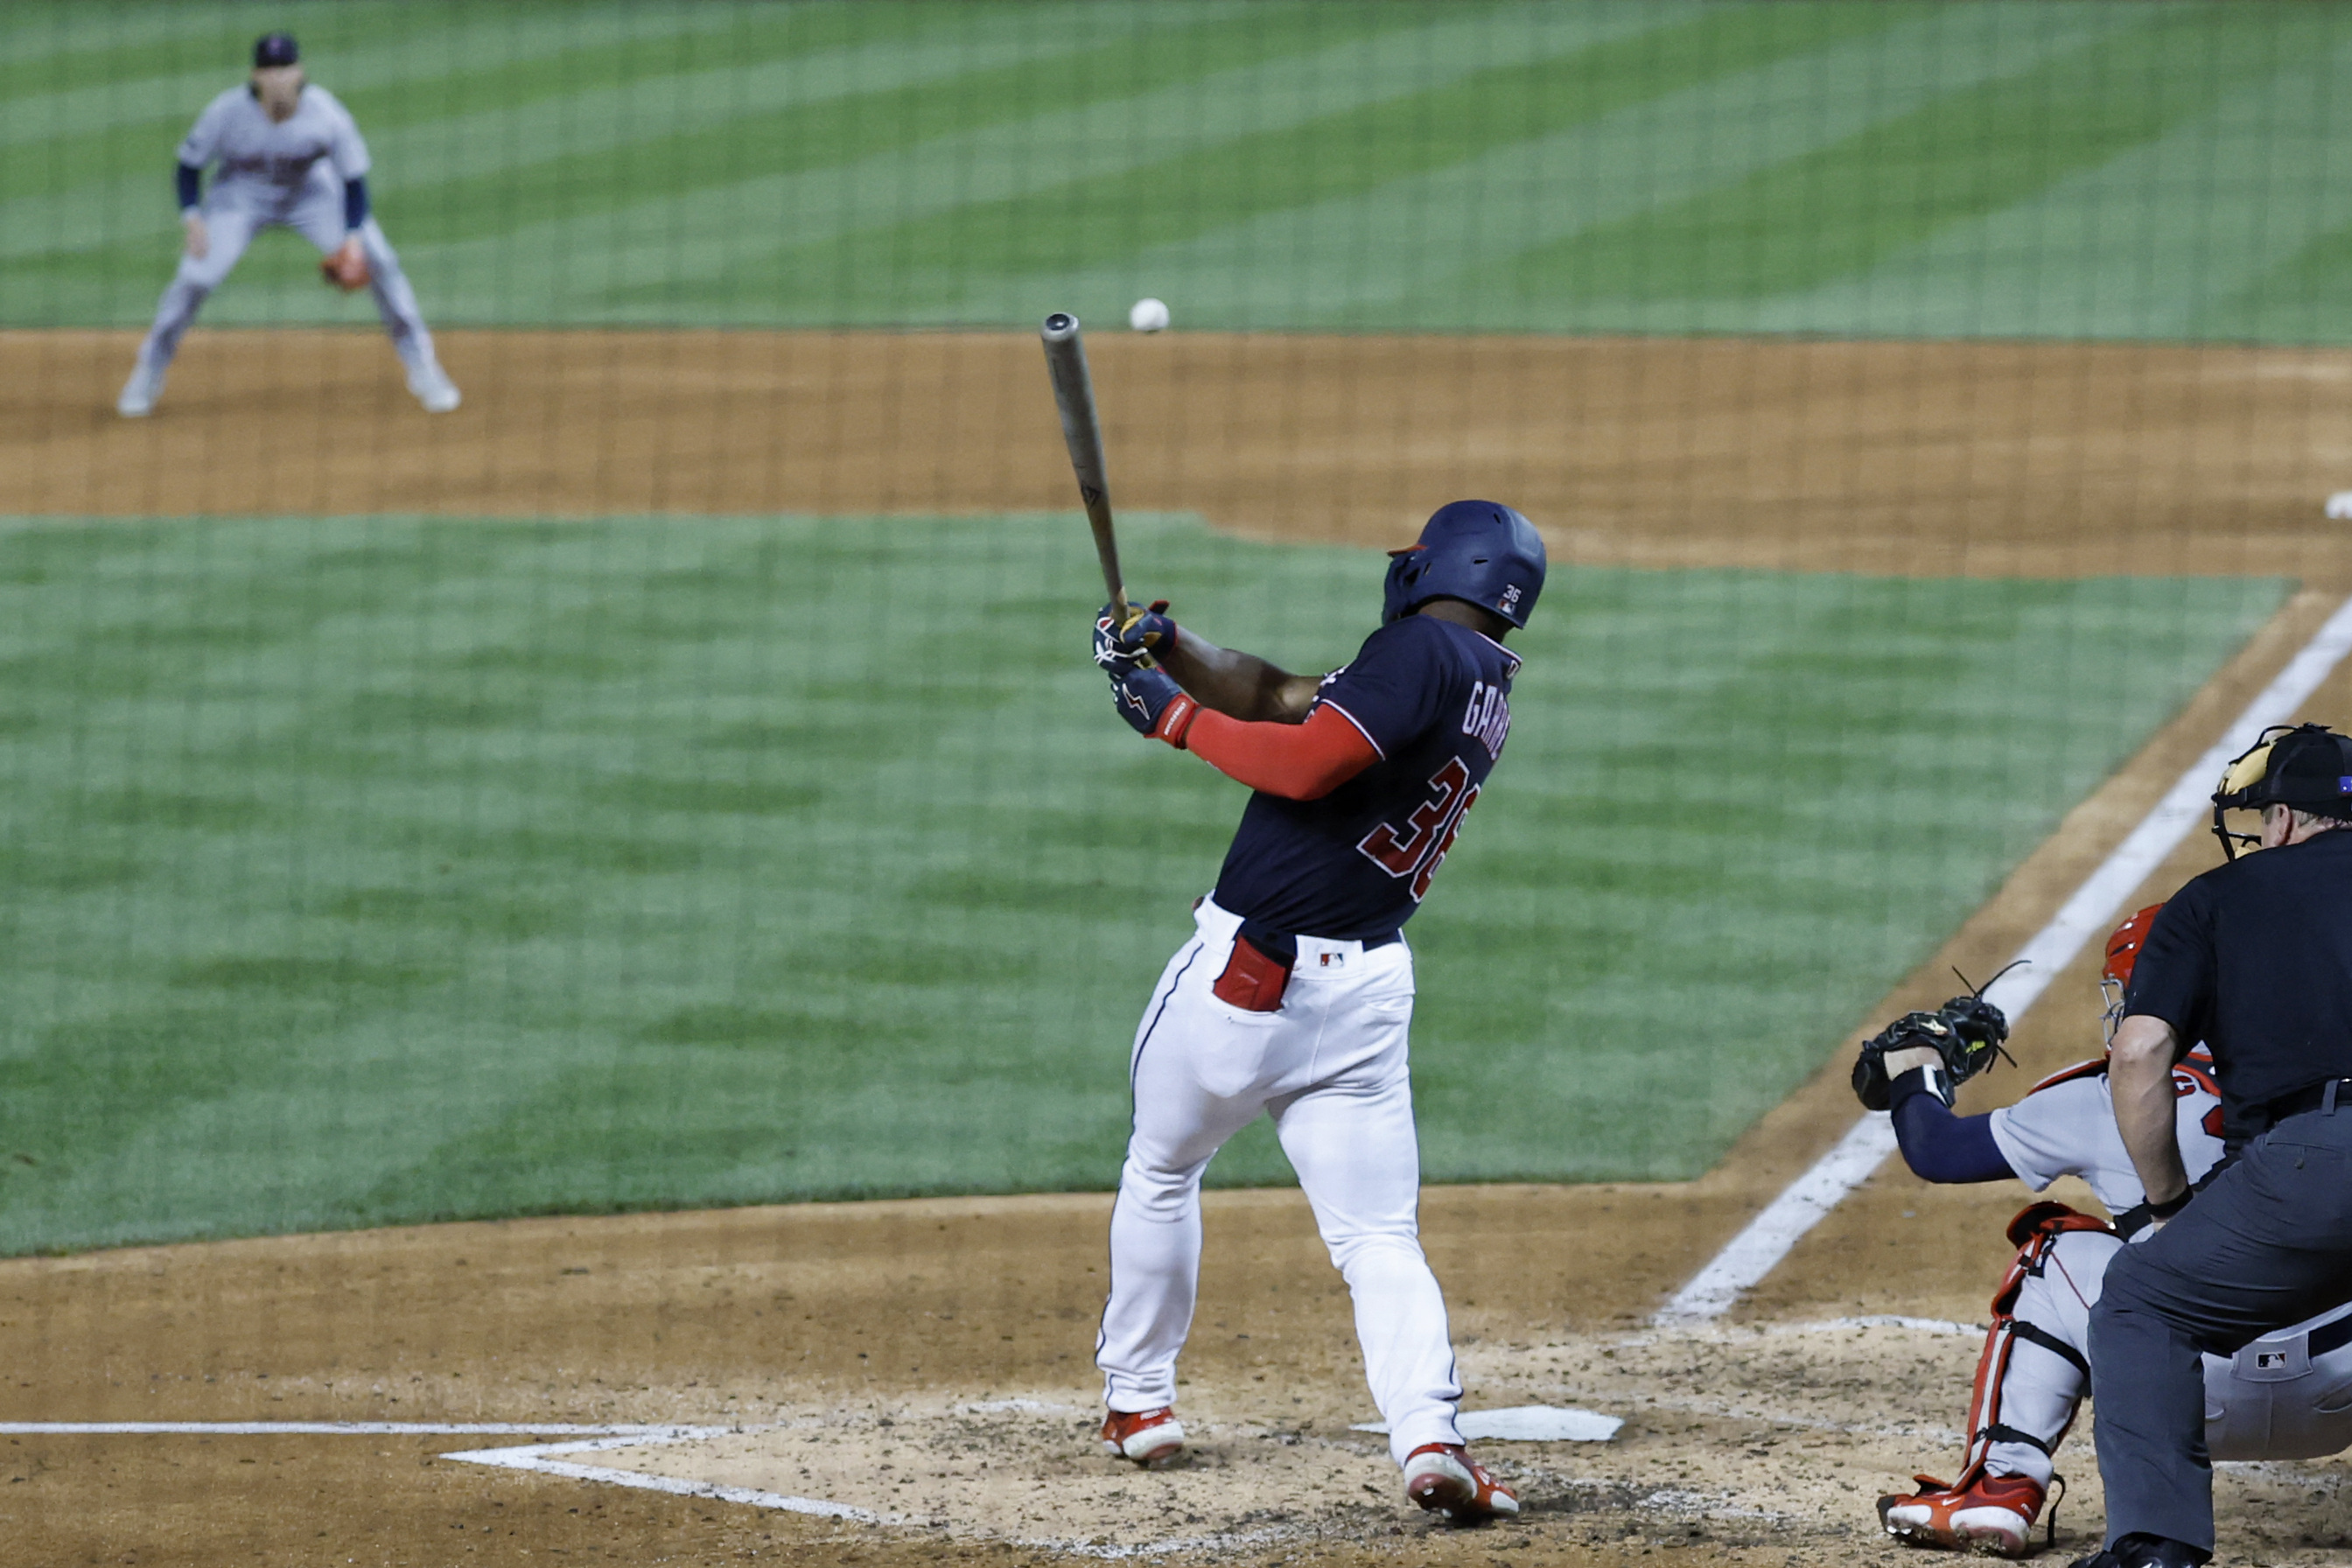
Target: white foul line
1758	1249
339	1429
536	1459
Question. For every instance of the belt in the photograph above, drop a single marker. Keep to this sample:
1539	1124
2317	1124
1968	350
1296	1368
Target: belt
2323	1095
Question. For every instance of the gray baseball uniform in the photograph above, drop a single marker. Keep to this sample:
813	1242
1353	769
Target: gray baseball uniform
290	174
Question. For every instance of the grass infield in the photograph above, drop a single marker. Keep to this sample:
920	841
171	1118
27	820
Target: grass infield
370	869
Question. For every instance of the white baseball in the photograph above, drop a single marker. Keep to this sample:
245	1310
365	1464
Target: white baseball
1147	316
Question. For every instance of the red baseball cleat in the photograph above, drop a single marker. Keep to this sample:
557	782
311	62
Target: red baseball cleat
1994	1513
1443	1478
1149	1437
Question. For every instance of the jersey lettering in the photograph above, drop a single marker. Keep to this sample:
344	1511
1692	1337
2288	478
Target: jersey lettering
1489	717
1433	825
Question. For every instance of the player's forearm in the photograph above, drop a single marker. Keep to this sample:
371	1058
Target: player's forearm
355	203
2140	1074
1937	1145
1297	761
189	185
1238	684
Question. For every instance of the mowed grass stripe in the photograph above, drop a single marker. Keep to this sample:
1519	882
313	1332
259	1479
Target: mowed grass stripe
396	53
1896	183
428	147
1194	191
2176	237
813	124
658	248
1638	154
366	871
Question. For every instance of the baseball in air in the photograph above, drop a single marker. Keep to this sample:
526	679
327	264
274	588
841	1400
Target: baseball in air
1147	316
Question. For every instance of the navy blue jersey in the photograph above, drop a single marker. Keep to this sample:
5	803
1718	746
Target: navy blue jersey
1433	699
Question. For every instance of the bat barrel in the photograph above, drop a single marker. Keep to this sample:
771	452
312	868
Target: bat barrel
1060	327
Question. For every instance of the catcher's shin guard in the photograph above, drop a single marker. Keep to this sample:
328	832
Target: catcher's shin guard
1983	1511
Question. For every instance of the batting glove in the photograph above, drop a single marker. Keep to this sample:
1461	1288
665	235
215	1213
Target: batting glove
1153	705
1123	647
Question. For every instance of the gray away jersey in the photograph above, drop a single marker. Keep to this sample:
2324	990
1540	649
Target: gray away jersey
2066	1126
257	153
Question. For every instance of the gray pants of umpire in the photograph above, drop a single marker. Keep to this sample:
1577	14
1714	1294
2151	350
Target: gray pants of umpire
2267	1244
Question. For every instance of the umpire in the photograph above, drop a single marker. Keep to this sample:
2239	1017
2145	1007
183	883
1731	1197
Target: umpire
2254	957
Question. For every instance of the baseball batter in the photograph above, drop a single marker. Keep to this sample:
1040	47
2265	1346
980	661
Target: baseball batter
1295	995
2286	1395
289	156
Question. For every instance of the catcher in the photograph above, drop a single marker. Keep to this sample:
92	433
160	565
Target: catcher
2288	1395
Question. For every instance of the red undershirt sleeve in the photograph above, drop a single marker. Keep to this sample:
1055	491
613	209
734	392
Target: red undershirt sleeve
1297	761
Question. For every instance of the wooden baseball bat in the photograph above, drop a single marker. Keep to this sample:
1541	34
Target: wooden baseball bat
1073	395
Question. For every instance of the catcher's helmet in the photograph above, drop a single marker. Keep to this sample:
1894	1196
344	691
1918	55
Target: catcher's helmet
273	49
2307	767
2123	955
1479	552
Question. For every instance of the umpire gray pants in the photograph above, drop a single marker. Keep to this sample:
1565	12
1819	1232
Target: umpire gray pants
2268	1244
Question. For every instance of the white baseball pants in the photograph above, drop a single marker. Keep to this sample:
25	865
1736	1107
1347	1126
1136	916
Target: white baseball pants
1329	1066
317	216
2274	1399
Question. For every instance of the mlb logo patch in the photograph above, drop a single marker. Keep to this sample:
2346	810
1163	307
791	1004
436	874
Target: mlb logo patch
2269	1359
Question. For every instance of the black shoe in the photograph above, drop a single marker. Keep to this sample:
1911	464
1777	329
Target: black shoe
2138	1551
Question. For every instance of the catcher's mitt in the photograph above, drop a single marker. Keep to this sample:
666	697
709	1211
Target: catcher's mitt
1965	1033
346	268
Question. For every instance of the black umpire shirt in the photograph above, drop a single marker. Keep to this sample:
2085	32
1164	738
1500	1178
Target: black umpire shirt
2255	959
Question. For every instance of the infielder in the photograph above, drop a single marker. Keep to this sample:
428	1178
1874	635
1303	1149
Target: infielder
1295	995
2288	1395
290	156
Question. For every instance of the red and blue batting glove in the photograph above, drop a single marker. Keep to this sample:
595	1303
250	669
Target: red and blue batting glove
1154	705
1121	647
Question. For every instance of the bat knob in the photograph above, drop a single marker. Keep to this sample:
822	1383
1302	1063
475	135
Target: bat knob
1060	325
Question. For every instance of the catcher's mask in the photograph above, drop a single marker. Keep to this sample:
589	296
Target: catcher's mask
2307	767
2123	955
1479	552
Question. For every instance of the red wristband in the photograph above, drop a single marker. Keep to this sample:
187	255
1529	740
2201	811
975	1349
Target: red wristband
1175	720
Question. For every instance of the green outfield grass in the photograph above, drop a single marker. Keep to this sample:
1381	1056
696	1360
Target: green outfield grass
372	869
2080	170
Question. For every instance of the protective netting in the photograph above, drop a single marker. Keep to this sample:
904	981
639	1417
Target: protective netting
674	775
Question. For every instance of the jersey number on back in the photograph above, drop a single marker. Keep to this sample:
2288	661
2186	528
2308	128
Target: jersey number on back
1419	851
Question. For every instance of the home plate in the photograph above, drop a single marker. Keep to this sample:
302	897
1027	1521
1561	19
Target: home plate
1528	1424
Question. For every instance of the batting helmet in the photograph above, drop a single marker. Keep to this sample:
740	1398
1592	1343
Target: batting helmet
2307	767
1479	552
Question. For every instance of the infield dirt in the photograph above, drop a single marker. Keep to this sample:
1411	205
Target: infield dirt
915	1341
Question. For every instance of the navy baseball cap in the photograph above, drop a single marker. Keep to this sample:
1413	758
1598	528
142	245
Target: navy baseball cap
275	49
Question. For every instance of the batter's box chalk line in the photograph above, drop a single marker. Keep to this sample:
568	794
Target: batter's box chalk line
1526	1424
1757	1250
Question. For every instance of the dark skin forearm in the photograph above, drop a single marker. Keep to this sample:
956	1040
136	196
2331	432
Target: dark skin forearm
1245	687
2139	1072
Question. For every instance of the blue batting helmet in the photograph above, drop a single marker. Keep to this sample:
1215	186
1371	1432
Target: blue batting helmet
1479	552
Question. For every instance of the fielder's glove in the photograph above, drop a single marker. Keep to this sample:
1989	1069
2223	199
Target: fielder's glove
1965	1033
1122	646
1153	705
346	268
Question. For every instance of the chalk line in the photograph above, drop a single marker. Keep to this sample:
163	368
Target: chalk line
536	1458
1758	1249
341	1428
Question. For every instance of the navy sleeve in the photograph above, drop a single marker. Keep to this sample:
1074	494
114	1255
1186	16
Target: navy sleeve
191	182
1937	1145
2173	977
355	202
1396	686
